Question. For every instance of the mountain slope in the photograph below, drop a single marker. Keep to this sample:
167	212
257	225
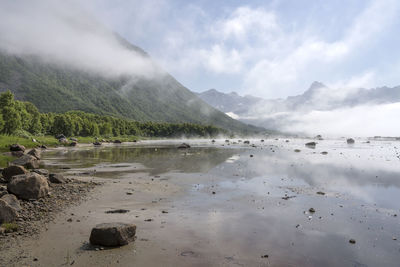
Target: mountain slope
57	88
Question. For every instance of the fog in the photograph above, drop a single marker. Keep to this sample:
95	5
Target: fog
362	121
62	32
334	112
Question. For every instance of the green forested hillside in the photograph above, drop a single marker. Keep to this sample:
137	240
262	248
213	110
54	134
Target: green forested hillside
56	88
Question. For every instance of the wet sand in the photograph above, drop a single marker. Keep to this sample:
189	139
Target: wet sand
231	205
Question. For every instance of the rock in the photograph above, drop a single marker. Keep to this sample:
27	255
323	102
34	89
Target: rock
56	178
352	241
17	147
73	139
184	145
7	213
28	186
350	141
17	154
112	234
320	193
43	147
35	152
63	140
34	140
117	211
27	161
311	144
246	142
73	143
312	210
117	142
213	141
60	136
97	143
319	137
262	140
297	150
3	190
11	171
324	153
43	172
12	201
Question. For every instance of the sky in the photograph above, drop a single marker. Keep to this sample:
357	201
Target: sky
270	49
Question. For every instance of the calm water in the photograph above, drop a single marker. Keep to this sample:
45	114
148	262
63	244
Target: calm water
242	202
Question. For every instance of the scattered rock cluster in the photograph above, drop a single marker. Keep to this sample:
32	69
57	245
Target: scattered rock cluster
29	195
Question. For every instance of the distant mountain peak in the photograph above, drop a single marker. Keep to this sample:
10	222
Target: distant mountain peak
316	85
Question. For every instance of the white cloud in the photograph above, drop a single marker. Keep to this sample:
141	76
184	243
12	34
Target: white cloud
61	32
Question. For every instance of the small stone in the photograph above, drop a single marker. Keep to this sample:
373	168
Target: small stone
264	256
352	241
312	210
56	178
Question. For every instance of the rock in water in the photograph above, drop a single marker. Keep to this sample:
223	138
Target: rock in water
184	145
73	143
112	234
7	213
117	142
311	144
17	147
28	186
350	141
12	201
35	152
56	178
97	143
27	161
11	171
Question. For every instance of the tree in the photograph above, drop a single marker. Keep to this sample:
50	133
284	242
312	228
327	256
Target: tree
12	120
6	100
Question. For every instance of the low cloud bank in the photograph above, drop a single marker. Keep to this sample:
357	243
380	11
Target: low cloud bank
62	32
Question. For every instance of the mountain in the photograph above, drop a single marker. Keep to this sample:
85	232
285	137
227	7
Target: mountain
54	87
279	113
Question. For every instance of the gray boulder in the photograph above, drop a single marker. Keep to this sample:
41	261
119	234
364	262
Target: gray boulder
3	190
35	152
43	172
56	178
11	171
28	186
27	161
12	201
7	213
17	147
112	234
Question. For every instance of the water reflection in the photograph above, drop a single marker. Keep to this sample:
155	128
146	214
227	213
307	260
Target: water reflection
156	160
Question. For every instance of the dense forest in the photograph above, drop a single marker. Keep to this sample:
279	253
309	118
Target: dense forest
24	118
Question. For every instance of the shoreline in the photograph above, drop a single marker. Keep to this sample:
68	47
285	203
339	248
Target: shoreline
35	216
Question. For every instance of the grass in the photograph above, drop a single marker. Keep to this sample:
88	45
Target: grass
10	227
50	141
